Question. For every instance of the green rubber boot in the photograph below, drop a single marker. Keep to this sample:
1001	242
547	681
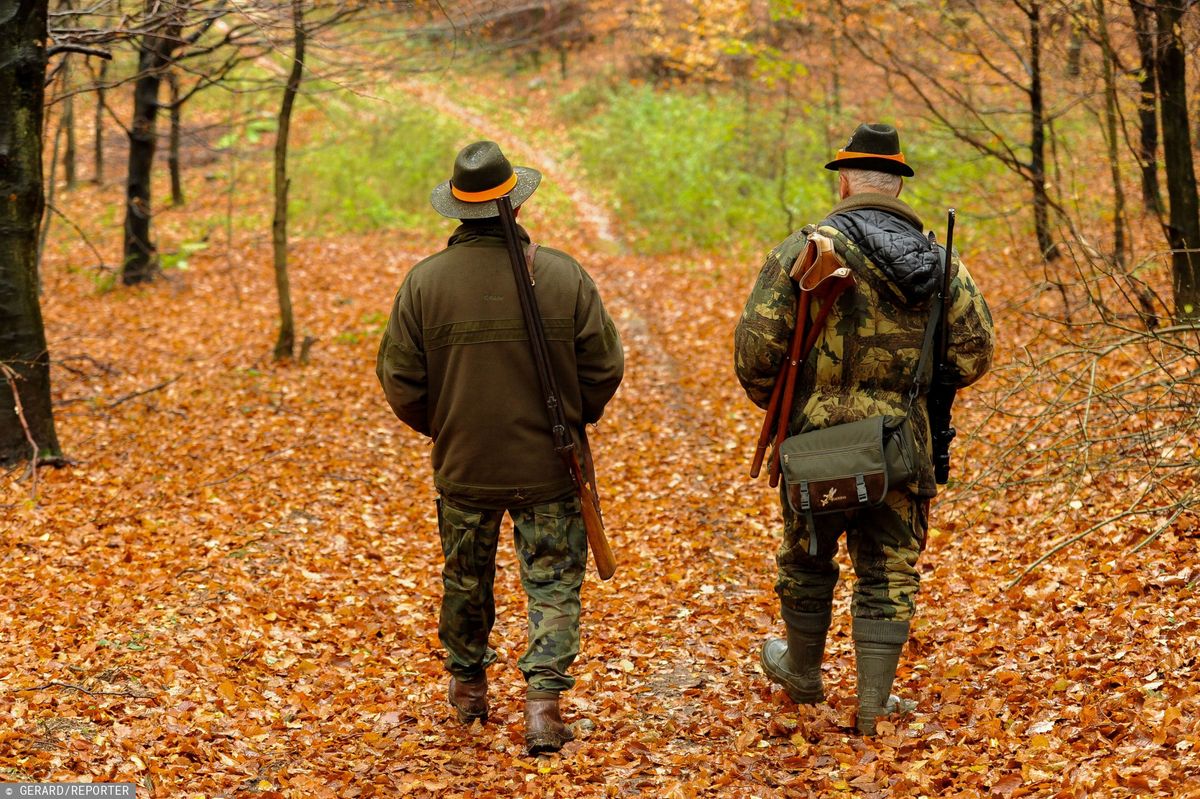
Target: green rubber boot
877	647
795	663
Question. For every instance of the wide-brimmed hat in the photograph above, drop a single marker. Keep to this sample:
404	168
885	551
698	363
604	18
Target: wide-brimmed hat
481	174
875	147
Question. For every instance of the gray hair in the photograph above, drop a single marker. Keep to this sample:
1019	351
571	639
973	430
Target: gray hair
870	180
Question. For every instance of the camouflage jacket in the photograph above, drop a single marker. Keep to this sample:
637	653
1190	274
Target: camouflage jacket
865	359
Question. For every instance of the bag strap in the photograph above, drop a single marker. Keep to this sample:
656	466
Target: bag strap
530	254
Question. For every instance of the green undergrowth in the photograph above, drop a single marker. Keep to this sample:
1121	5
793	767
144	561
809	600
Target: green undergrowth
689	171
372	166
701	171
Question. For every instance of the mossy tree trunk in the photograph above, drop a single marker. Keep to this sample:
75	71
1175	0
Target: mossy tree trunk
22	338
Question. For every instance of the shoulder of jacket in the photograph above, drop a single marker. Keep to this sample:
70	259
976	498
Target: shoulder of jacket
787	251
423	265
562	265
847	251
544	251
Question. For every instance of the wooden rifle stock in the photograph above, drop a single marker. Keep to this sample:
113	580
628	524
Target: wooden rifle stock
767	433
779	409
790	373
593	522
564	444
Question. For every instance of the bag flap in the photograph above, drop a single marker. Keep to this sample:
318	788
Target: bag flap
838	451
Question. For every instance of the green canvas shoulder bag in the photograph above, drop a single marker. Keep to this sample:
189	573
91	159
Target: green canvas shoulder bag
854	465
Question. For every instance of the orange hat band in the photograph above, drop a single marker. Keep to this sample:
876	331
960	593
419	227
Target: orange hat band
847	155
488	194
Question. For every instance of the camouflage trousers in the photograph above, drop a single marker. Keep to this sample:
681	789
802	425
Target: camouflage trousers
551	548
884	543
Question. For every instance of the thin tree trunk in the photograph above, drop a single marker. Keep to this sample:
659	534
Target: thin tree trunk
1147	155
1037	137
286	343
68	122
1183	228
139	264
173	150
22	337
48	199
68	115
98	126
1110	134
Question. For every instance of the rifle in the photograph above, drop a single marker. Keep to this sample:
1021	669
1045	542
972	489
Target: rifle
945	379
815	265
564	444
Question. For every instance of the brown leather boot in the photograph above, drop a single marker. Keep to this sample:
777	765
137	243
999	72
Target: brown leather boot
544	728
469	698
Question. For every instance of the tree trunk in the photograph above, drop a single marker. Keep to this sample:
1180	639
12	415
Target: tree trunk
22	337
98	126
68	121
68	115
285	345
1037	137
173	150
1110	133
1183	227
1147	154
139	264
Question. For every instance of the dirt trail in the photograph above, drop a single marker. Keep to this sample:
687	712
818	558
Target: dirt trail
593	215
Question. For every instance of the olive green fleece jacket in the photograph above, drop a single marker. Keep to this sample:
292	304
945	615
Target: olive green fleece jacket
455	364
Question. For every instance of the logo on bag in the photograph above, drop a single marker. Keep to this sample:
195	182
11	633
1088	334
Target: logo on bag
830	496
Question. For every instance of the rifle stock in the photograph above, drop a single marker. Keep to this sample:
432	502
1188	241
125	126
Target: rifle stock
593	522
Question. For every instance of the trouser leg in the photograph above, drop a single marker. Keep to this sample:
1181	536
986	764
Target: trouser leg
552	551
884	544
469	537
805	582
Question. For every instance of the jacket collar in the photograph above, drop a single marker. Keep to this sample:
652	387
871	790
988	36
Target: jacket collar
880	202
483	231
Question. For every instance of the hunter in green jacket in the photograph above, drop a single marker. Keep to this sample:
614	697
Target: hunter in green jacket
862	365
455	364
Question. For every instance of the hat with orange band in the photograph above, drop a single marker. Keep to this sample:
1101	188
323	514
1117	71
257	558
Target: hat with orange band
875	147
481	174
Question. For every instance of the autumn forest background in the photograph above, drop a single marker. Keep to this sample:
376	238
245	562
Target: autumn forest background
219	559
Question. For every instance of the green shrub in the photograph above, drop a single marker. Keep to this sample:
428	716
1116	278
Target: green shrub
691	171
374	169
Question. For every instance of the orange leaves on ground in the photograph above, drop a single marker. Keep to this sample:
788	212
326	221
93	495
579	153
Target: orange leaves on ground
234	588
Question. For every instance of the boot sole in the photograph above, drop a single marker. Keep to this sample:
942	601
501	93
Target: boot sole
547	743
466	717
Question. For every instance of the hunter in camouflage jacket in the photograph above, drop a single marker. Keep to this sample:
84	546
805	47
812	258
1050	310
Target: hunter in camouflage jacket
865	359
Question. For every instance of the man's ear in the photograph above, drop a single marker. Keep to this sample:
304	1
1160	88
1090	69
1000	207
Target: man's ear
843	186
901	187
